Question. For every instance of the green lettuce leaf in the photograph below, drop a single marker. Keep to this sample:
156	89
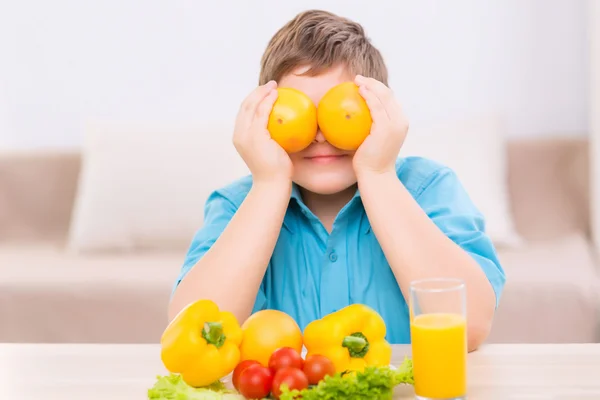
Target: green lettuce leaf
172	387
376	383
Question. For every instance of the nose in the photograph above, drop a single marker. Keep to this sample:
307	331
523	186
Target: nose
319	138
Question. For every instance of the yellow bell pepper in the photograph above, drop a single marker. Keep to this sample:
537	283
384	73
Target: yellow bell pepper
352	338
201	343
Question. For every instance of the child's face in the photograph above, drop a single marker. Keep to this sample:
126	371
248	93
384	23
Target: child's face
321	168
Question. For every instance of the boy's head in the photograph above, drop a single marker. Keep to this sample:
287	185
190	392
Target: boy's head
312	53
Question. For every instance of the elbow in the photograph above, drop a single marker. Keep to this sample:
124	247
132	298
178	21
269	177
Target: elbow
180	300
473	343
477	333
172	311
480	319
175	305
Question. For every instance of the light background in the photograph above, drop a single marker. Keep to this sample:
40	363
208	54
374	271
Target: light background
65	61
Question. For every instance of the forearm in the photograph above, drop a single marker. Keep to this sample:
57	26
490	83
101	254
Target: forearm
231	272
417	249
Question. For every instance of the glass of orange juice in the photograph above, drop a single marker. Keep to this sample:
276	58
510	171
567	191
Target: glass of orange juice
438	327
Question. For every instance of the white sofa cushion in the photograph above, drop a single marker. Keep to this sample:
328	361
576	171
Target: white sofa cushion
476	150
554	283
144	187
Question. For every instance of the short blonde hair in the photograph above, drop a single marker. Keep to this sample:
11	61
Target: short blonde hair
321	40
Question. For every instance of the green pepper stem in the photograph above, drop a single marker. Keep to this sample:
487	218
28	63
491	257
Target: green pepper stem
357	345
213	333
354	343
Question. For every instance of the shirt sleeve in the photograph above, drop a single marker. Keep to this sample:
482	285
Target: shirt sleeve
447	203
218	212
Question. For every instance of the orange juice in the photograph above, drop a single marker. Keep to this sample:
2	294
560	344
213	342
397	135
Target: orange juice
439	353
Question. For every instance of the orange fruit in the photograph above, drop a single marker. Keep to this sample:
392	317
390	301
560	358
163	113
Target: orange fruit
344	117
293	120
266	331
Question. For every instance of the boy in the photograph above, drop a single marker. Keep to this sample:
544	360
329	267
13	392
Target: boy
311	232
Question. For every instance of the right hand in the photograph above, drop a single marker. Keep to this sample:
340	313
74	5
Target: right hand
265	158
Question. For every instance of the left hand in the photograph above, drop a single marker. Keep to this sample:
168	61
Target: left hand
379	151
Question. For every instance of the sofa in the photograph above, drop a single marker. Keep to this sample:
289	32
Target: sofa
49	294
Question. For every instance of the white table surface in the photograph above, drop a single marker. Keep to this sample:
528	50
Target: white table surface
119	372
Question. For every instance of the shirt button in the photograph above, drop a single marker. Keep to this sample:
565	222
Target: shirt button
332	256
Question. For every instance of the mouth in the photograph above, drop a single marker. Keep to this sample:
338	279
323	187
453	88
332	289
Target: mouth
326	158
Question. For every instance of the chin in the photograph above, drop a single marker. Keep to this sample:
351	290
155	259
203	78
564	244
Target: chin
325	184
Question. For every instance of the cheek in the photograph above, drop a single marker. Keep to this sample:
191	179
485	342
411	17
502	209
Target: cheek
296	158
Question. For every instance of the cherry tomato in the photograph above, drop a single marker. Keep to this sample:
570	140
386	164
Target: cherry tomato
285	357
255	382
294	378
316	367
241	367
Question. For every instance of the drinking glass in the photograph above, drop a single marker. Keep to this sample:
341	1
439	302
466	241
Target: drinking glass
438	326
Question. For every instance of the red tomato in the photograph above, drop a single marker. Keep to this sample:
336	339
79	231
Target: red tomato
294	378
316	367
255	382
241	367
285	357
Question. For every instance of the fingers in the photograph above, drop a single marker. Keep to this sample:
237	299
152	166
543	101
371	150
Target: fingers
383	93
250	104
255	97
378	111
261	118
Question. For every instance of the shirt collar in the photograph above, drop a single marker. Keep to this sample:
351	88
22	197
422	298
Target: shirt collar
297	196
296	193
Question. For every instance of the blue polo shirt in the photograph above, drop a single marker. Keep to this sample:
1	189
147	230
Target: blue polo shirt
313	273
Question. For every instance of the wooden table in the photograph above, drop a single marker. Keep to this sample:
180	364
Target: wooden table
119	372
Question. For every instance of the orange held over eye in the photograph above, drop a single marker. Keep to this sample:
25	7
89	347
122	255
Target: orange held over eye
344	117
293	120
266	331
